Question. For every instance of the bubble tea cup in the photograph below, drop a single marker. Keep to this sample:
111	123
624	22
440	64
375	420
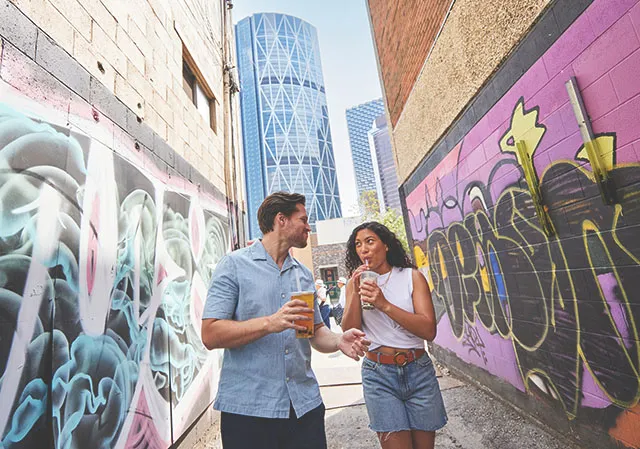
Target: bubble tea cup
365	276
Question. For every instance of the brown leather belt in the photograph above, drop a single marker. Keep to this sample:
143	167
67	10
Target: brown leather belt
400	358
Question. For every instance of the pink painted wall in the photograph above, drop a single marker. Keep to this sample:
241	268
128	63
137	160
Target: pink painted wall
555	316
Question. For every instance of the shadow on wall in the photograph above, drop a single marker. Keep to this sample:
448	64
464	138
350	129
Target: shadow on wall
103	276
555	315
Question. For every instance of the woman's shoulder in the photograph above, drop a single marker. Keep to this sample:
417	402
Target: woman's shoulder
408	271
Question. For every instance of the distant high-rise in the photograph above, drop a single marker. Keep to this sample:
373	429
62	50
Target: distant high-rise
285	122
384	167
359	120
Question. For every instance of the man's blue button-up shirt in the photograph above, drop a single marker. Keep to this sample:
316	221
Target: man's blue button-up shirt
264	377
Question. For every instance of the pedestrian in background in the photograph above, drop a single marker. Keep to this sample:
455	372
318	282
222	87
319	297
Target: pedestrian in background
268	395
401	390
338	309
325	309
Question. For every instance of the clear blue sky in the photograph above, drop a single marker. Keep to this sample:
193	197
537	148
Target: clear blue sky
348	64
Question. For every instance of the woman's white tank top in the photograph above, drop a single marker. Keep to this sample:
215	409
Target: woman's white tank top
382	330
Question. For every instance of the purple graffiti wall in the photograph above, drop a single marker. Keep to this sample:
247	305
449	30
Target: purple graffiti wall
555	314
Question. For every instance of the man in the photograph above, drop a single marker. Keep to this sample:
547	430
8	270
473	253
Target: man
338	309
325	309
268	395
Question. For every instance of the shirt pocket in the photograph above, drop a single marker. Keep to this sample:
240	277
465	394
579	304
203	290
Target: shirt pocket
252	303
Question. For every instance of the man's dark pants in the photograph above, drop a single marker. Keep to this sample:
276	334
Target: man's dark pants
249	432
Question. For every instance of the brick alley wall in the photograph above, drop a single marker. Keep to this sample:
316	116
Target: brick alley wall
135	51
404	33
329	256
476	38
533	265
113	214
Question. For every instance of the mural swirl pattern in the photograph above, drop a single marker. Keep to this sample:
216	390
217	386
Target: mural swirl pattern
103	274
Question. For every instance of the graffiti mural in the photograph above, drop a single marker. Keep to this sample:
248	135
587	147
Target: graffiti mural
557	314
104	267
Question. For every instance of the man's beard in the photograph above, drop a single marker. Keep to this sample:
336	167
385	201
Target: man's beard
300	243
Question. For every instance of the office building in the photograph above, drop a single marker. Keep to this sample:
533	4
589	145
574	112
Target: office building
383	164
359	120
285	122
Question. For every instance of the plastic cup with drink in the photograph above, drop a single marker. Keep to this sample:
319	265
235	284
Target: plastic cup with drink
307	297
367	276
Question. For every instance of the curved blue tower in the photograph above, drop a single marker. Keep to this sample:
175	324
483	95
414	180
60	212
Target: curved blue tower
285	123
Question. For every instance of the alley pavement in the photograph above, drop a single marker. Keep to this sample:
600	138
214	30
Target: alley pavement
476	419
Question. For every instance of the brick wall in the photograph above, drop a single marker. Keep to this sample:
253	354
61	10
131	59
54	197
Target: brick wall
477	37
329	256
546	319
403	33
135	50
109	233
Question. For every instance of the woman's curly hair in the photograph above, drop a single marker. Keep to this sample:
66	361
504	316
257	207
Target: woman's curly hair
396	256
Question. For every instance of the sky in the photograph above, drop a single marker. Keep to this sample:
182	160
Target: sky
348	64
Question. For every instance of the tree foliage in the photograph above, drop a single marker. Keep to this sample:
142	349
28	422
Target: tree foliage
391	218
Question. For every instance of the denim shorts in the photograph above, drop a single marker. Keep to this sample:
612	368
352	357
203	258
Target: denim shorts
403	398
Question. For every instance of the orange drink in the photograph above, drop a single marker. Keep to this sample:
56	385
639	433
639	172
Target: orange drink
307	297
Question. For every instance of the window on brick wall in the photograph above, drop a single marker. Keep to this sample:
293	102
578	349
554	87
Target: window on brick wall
189	82
198	91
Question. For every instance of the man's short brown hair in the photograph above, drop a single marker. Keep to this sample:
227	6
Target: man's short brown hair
278	202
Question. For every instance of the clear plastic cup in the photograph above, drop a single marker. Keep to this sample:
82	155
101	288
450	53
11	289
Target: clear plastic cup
307	297
370	276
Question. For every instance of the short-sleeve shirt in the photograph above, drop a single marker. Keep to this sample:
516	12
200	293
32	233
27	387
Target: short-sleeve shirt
265	377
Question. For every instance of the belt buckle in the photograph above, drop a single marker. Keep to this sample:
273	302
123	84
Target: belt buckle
403	363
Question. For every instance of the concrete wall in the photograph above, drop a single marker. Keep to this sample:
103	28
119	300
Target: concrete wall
112	218
337	230
547	320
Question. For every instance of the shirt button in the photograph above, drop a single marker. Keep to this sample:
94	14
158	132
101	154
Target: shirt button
283	295
286	351
287	379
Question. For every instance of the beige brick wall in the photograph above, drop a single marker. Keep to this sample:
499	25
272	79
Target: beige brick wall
139	47
477	36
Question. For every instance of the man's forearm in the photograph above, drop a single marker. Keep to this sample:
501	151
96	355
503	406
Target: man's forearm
232	334
324	340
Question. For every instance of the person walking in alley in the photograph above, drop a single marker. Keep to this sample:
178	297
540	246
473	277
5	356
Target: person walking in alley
268	395
325	309
338	309
401	391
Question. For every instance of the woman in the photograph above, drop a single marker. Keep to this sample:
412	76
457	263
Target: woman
400	387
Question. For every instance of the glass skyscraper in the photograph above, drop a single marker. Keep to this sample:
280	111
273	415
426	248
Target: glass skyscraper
285	123
383	164
359	121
